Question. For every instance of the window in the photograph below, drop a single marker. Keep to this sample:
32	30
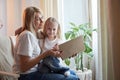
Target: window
75	11
79	12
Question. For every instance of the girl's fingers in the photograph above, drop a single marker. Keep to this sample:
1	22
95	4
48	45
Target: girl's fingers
56	47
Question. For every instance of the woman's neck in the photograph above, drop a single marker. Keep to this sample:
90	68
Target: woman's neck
34	33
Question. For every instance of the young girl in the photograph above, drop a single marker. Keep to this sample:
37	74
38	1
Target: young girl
51	39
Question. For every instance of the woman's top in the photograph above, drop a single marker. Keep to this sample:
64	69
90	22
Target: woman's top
26	45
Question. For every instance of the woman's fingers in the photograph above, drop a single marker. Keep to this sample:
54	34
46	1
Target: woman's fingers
56	53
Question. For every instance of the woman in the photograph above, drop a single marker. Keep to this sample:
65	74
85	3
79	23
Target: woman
27	51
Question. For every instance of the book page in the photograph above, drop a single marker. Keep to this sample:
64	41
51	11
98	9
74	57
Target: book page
72	47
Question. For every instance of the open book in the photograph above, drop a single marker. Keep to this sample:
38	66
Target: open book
72	47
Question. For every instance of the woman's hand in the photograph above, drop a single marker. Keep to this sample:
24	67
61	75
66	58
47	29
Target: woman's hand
53	52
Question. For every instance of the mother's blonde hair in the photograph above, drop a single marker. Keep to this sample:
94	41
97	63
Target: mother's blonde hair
29	17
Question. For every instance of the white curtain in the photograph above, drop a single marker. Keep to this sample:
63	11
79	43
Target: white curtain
11	14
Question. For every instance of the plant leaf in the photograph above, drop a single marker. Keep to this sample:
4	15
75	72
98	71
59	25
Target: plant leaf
88	49
67	61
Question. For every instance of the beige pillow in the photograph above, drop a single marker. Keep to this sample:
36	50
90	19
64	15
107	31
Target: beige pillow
6	59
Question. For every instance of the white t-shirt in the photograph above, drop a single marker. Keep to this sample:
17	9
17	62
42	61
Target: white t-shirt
49	44
27	45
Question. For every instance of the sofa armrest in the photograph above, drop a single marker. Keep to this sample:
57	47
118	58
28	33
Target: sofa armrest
9	74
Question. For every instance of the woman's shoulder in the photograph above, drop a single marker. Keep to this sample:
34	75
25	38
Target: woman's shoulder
26	34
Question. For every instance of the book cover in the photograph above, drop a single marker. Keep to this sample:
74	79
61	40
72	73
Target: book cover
72	47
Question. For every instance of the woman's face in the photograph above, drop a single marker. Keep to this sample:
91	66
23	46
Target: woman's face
52	30
38	21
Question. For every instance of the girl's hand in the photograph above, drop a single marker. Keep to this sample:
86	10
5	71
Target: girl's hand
54	53
56	47
73	55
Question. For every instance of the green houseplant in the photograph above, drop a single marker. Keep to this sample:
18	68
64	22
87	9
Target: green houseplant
75	31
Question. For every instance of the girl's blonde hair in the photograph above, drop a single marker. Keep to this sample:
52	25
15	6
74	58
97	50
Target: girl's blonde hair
48	22
29	17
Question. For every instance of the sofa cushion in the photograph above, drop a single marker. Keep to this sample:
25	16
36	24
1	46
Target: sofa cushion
6	58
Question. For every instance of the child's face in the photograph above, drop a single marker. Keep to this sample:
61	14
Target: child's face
52	30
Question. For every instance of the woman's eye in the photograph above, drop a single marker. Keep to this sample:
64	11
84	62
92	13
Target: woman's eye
37	18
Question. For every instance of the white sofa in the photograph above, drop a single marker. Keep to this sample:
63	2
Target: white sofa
6	59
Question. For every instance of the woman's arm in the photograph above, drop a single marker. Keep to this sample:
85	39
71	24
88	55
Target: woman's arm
26	62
